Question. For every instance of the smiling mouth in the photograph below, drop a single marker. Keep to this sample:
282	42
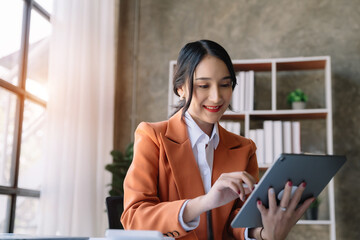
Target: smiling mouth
213	108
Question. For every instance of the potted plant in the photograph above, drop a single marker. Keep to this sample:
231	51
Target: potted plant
297	99
312	211
118	168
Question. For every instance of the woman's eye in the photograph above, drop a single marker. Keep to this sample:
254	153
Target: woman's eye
203	86
226	85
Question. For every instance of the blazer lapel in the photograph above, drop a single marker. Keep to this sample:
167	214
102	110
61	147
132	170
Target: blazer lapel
229	155
181	158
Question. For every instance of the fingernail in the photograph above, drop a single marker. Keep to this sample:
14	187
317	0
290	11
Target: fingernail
272	191
290	183
303	184
258	202
239	192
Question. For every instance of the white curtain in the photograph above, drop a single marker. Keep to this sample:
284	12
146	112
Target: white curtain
80	115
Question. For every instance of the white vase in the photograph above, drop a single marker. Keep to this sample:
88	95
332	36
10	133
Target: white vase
298	105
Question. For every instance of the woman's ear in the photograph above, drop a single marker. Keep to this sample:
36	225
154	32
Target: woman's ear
181	92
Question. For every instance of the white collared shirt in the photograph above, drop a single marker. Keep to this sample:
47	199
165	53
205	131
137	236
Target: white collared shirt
203	148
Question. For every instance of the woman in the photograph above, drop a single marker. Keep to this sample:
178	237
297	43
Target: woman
187	175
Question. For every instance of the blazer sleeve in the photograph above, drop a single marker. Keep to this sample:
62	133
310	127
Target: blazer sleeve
142	206
253	169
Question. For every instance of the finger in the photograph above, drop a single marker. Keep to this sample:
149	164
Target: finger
242	192
272	200
248	189
244	176
239	178
261	207
301	210
234	185
287	195
249	180
297	196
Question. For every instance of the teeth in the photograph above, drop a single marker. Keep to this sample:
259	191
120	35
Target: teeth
212	107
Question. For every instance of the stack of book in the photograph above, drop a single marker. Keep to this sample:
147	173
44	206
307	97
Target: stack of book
275	138
231	126
243	94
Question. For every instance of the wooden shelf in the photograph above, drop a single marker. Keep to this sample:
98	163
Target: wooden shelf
314	222
257	67
289	114
303	65
277	114
233	116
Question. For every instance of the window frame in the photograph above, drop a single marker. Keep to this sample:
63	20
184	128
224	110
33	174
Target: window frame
14	191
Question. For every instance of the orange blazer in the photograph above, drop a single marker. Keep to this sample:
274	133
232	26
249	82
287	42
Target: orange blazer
164	174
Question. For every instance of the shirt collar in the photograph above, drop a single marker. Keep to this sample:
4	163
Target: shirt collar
195	132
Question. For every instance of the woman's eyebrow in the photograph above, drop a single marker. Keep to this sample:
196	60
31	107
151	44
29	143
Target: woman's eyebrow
208	78
203	78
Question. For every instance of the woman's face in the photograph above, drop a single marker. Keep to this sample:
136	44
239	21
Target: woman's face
212	92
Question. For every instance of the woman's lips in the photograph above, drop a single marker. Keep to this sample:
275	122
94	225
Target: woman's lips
213	108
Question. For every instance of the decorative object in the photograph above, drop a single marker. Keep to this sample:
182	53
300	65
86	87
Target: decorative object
312	212
297	99
118	168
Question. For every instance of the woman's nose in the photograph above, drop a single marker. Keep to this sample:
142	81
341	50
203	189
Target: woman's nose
214	94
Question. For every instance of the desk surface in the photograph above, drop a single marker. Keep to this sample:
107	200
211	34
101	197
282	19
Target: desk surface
33	237
12	236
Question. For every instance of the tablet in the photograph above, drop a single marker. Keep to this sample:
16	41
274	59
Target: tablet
315	170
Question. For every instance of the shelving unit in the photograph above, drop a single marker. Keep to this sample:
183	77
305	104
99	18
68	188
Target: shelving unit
273	68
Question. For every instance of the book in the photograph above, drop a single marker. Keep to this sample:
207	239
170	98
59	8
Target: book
235	103
233	127
268	141
287	141
223	124
278	138
242	91
296	143
260	146
252	135
251	91
247	91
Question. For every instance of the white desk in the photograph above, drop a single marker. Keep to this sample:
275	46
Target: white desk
110	235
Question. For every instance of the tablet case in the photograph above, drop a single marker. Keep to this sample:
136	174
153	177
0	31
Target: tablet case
315	170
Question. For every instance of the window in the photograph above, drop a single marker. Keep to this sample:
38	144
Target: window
24	47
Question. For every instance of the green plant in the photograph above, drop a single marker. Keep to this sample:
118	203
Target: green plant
315	203
118	168
297	96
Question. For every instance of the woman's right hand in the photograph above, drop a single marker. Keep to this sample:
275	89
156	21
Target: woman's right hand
227	187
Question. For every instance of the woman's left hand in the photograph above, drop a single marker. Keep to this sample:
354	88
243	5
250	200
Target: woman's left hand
279	219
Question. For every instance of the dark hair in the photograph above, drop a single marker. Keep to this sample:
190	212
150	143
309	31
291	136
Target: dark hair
189	57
